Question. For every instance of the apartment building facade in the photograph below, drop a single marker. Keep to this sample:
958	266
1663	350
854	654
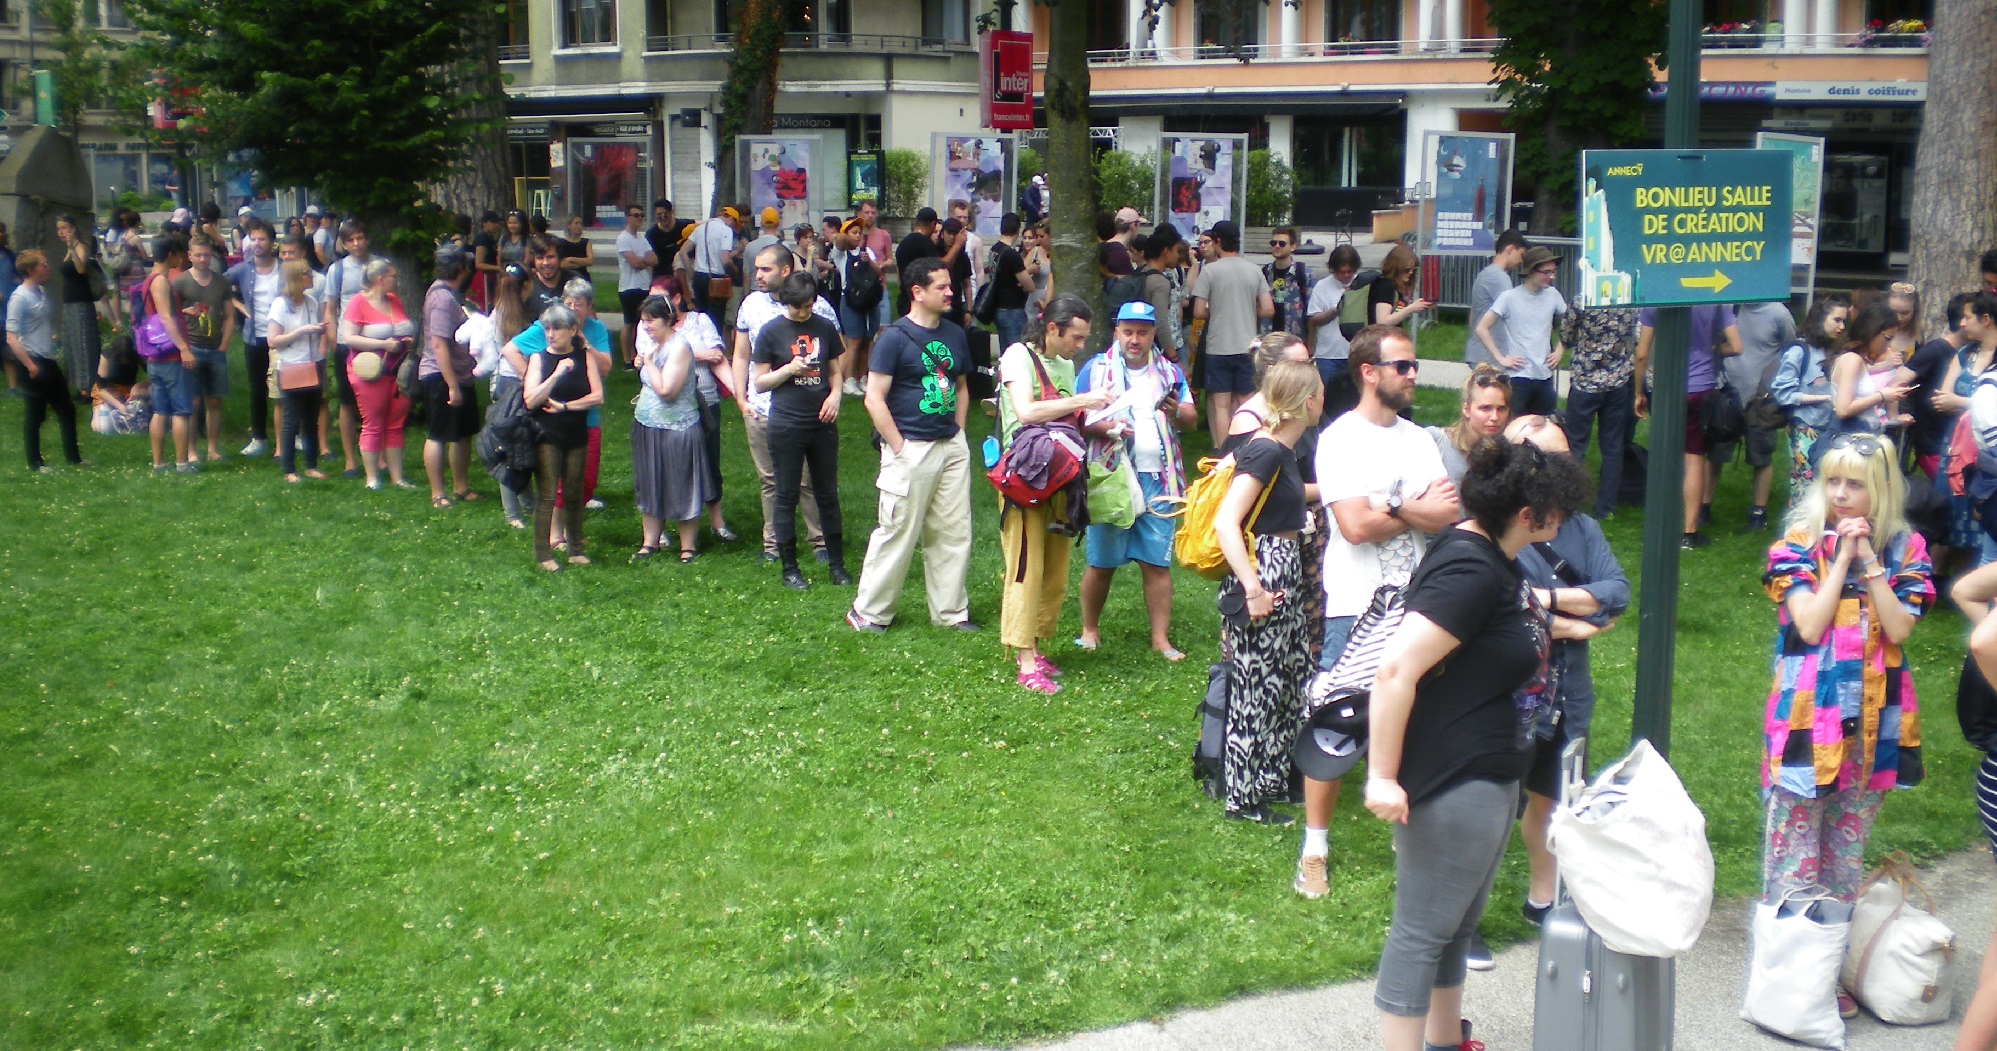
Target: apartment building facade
1346	89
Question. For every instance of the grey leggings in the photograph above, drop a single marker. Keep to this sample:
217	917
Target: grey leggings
1445	858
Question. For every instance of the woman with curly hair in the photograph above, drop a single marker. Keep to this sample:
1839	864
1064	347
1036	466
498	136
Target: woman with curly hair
1453	711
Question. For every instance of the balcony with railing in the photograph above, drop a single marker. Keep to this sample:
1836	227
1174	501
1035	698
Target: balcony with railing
1766	39
855	43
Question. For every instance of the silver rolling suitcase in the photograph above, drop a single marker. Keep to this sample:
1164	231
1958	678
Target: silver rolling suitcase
1590	997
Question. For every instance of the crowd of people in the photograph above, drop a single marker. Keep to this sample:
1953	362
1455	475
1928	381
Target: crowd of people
1487	529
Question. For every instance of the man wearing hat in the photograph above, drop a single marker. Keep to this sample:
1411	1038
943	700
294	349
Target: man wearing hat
1531	349
771	233
714	250
1145	435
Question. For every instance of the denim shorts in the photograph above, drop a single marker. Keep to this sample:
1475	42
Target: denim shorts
173	387
211	373
858	324
1149	540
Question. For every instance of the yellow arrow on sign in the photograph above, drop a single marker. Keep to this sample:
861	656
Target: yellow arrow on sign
1716	284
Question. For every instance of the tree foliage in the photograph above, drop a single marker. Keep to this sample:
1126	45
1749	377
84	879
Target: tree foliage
366	101
83	60
749	95
1272	189
1576	76
1126	180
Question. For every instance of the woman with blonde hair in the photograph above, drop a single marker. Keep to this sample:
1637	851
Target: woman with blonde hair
1264	629
1485	410
296	340
1849	579
1391	298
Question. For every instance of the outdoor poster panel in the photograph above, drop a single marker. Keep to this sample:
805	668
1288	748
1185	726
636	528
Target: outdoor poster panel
1807	158
975	169
863	178
1471	176
1682	228
781	172
1202	180
606	179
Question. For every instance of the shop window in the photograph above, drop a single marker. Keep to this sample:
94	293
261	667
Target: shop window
1378	151
1348	21
589	22
606	177
1229	24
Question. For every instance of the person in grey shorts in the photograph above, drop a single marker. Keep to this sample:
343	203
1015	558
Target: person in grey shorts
1447	750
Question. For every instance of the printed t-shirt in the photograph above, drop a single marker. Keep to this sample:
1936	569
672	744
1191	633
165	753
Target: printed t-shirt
925	366
796	401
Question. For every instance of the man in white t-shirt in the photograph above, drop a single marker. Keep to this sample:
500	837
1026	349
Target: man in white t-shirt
635	260
758	308
1382	479
1530	314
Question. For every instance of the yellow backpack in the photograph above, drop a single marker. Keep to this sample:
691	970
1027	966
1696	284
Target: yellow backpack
1197	543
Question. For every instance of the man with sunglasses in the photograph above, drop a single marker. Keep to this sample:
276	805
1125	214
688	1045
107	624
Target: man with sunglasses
635	260
1531	315
1289	284
1383	481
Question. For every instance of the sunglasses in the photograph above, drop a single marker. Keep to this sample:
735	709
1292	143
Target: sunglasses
1279	244
1405	368
1865	445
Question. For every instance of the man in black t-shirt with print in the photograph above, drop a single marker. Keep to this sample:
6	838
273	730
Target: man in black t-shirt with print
920	243
797	360
1010	283
917	396
665	235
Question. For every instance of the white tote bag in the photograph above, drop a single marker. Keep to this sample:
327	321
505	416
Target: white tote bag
1633	852
1901	963
1797	945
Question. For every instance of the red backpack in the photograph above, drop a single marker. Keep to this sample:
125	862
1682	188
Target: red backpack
1049	452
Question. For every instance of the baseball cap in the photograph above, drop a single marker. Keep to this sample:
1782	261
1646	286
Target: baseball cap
730	213
1129	217
1333	740
925	215
770	217
313	211
952	225
1138	310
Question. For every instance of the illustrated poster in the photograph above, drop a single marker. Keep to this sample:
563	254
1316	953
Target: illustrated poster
975	169
1471	176
1201	183
779	176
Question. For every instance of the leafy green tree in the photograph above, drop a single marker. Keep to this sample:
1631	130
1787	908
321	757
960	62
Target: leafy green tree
1272	189
1577	76
366	101
1126	180
82	58
749	95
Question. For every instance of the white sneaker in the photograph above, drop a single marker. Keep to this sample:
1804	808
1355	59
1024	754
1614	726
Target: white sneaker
852	389
593	505
257	447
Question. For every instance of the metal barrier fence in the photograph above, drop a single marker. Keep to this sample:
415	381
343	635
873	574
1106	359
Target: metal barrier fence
1446	279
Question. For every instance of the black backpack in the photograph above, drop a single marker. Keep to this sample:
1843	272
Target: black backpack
1208	748
863	284
1126	289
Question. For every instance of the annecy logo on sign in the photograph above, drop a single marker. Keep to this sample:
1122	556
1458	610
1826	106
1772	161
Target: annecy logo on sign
1664	227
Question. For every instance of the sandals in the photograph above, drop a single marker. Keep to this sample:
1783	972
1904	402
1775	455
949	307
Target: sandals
724	534
440	502
1172	654
1036	681
467	497
686	557
315	474
1046	666
1084	644
645	551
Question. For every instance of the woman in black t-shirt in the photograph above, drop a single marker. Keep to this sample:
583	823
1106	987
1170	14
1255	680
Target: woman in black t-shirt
1452	717
1264	629
562	384
574	250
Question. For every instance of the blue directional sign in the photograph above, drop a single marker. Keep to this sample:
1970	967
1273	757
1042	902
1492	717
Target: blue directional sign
1684	227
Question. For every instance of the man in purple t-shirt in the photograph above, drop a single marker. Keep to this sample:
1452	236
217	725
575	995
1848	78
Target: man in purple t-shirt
446	375
1712	333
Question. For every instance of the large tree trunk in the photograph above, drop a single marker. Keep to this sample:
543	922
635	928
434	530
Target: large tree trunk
486	180
1955	173
1071	170
749	96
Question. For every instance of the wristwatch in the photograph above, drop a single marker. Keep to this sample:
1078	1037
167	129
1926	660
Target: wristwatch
1394	504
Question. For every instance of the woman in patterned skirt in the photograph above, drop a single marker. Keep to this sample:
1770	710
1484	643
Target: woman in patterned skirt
1266	634
1849	580
668	454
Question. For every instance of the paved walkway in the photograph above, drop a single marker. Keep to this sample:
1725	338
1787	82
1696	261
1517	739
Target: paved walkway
1342	1017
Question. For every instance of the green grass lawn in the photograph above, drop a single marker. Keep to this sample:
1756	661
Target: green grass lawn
318	767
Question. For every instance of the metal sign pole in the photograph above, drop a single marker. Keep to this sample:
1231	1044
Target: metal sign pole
1663	519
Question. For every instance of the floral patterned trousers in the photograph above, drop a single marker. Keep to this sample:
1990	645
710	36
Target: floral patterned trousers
1818	841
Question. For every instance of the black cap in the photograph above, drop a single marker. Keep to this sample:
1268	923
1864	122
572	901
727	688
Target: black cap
925	215
1225	227
951	225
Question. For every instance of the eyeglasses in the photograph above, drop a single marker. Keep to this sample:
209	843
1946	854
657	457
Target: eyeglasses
1548	271
1865	445
1279	244
1405	368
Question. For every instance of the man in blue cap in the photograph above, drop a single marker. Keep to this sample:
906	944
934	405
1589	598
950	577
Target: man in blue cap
1152	405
